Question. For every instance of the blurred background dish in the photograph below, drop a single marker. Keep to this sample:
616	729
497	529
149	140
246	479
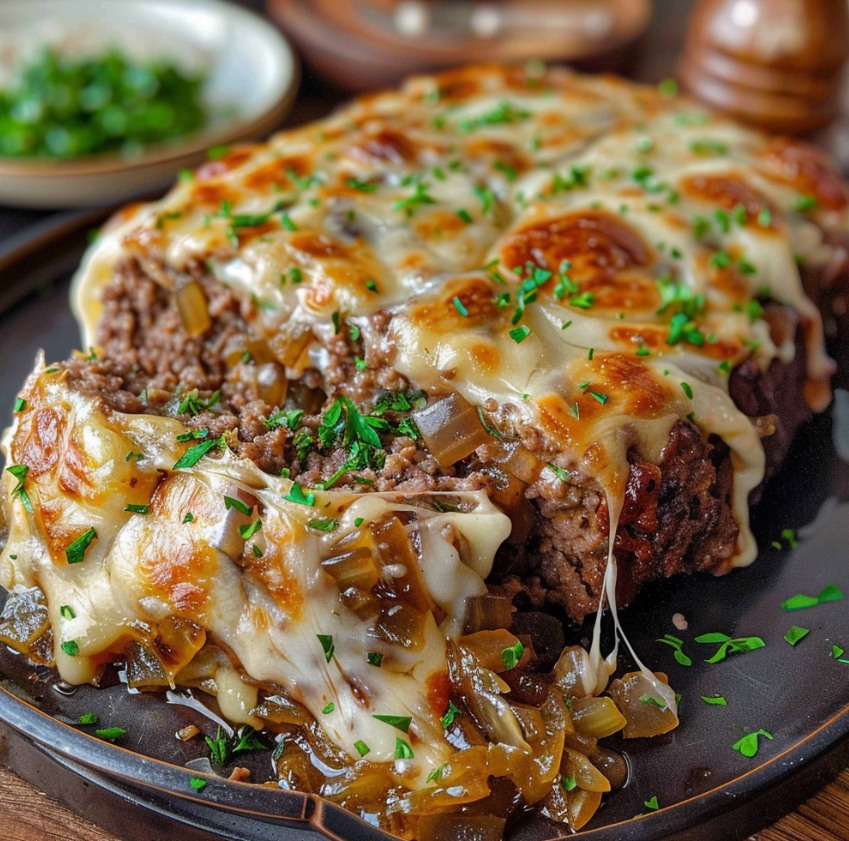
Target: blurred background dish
245	71
364	44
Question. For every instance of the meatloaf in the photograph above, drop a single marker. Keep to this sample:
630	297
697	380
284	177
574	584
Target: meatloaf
605	281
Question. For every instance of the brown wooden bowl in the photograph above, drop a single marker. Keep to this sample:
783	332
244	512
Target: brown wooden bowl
366	45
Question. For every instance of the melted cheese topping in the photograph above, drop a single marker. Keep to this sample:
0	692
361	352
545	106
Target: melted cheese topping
270	607
437	202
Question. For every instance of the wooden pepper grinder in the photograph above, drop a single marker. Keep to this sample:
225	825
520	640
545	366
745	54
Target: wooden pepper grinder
774	63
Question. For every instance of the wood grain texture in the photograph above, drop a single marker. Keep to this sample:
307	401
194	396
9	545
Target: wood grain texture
28	815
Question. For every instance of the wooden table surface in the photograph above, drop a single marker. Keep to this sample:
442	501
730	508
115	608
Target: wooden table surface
26	814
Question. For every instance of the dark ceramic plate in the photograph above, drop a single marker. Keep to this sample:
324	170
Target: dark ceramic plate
705	789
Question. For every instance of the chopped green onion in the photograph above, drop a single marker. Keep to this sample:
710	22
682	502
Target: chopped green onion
75	552
399	722
327	645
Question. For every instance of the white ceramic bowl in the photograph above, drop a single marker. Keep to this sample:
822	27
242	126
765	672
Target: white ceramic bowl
252	78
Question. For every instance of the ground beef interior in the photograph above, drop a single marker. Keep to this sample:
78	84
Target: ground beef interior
677	517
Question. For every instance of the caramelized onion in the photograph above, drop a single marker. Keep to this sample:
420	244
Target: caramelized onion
291	342
573	672
577	766
646	717
581	806
487	646
487	613
451	429
596	717
354	568
191	304
24	619
480	690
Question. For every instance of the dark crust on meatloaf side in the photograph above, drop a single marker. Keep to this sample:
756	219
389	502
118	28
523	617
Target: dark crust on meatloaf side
677	516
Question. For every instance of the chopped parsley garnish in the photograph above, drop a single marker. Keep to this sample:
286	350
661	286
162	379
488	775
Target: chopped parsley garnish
805	203
796	634
764	217
709	147
465	216
486	198
323	524
218	749
520	333
287	223
192	404
676	643
729	646
436	773
789	536
194	454
20	404
667	88
399	722
360	186
598	397
241	507
559	472
417	199
328	708
296	494
289	419
327	646
568	783
371	285
504	113
67	612
249	530
191	435
87	718
584	301
197	783
361	747
687	389
189	517
374	658
829	593
748	745
460	307
403	749
19	471
652	804
512	655
111	734
71	648
138	509
715	700
450	715
75	552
